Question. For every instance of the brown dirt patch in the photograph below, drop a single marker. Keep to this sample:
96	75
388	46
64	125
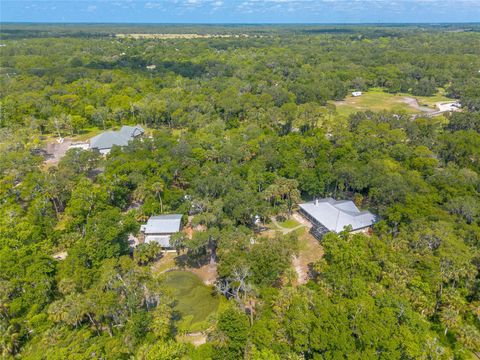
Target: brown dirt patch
208	273
196	339
165	263
62	255
57	150
310	252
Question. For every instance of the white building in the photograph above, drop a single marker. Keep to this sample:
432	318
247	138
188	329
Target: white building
356	93
160	228
80	145
332	215
449	106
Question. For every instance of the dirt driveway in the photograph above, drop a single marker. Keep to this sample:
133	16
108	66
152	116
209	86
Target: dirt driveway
310	252
56	150
413	103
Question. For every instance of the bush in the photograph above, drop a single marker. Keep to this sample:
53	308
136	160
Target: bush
145	253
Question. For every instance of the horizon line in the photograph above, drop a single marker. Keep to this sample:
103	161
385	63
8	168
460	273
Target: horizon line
243	23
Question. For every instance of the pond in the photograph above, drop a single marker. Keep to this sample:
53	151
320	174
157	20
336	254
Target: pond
194	301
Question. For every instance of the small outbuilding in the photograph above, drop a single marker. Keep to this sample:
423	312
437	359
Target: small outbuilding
106	140
79	145
160	228
449	106
335	215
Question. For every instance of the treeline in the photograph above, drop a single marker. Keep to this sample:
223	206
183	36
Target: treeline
55	30
103	82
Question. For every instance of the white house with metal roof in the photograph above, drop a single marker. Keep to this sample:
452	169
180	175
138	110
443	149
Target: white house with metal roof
159	229
106	140
335	215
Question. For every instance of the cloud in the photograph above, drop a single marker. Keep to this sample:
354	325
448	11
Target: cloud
362	6
125	4
152	5
311	11
303	8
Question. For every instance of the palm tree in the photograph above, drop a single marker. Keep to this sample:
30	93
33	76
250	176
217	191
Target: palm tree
157	188
140	193
52	192
449	318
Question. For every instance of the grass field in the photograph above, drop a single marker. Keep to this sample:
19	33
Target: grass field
309	248
175	36
430	101
289	224
194	300
376	100
166	262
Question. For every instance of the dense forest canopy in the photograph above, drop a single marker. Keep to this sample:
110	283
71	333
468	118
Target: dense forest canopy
241	127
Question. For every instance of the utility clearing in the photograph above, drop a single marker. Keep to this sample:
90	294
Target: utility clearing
310	251
377	100
177	36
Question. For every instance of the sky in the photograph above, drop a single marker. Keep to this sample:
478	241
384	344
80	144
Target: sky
241	11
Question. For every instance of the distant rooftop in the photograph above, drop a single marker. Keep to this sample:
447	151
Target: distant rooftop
336	215
107	139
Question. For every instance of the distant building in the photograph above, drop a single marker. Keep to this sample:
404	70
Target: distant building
159	229
332	215
449	106
107	139
79	145
356	93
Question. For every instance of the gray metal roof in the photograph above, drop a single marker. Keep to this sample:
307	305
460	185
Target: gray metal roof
335	215
163	224
162	240
121	137
131	131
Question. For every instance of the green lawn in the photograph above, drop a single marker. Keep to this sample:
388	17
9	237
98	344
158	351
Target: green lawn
166	262
88	133
84	135
430	101
289	224
376	99
194	300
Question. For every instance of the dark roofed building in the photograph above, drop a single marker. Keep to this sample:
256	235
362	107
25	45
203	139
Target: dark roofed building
106	140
